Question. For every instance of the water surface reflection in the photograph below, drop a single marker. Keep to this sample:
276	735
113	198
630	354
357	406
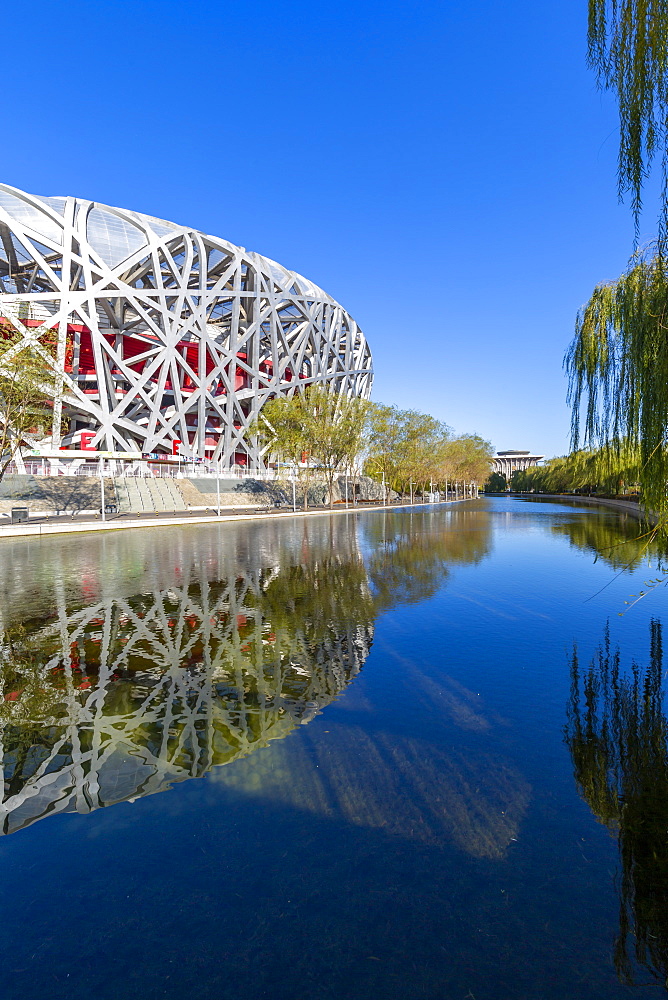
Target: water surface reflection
421	837
620	540
219	653
130	663
411	554
431	793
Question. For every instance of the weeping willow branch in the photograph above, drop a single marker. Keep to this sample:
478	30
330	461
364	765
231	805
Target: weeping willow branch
628	49
617	366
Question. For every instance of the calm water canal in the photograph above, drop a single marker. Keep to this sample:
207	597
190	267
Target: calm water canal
351	756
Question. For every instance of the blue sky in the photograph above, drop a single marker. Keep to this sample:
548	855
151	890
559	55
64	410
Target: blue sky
446	171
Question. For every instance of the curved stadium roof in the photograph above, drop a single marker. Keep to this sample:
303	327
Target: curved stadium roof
165	334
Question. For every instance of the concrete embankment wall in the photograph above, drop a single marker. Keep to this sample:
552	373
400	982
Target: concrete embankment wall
131	494
139	495
43	494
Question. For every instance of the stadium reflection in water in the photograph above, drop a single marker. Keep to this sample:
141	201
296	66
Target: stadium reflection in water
126	693
130	663
386	731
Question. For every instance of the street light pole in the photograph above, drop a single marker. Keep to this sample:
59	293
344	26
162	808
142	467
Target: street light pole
218	484
104	516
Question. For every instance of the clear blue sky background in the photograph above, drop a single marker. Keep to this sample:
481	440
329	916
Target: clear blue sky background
445	170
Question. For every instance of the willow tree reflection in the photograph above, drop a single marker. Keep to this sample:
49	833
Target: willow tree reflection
621	540
617	734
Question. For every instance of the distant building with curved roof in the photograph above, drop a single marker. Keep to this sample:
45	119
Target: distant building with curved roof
167	340
507	462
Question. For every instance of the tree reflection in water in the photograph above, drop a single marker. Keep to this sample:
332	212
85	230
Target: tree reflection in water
617	734
620	540
187	656
396	782
412	555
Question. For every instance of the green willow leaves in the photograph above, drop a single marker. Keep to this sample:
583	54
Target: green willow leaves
605	471
618	361
617	366
627	48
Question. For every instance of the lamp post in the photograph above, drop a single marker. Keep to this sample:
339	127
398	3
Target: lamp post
218	485
104	516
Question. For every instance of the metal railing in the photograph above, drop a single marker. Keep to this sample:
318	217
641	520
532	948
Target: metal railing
119	467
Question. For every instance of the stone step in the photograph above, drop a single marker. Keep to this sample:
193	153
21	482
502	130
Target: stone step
135	494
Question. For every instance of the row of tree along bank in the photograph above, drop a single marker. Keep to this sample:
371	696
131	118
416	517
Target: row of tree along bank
317	432
322	435
607	472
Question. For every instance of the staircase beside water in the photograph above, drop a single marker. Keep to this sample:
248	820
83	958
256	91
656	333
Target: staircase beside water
136	495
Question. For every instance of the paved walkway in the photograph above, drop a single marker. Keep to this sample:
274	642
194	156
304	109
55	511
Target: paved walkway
66	524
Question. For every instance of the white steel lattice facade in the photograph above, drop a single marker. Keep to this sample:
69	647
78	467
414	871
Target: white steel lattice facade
164	334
